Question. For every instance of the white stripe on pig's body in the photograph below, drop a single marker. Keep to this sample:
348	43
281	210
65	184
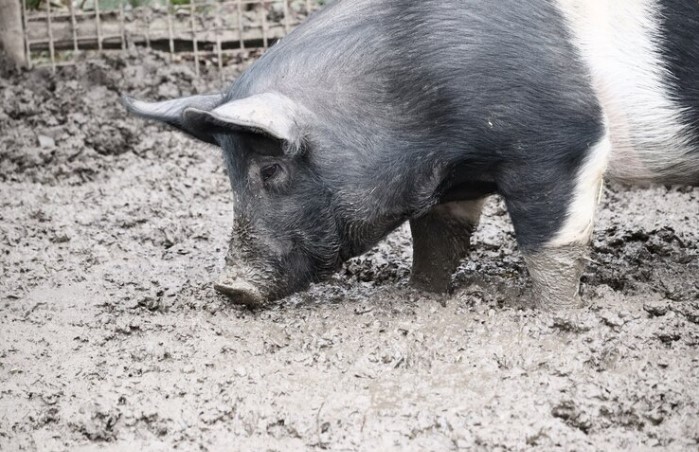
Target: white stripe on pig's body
588	187
620	42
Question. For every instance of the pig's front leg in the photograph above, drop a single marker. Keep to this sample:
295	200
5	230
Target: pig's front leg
555	273
441	238
553	214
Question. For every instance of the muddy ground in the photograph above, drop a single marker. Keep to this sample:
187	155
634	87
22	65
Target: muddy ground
112	338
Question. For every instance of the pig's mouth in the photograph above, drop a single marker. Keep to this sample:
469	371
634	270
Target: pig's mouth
256	288
250	281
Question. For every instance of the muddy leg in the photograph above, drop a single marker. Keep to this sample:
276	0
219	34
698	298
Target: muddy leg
441	238
555	274
553	219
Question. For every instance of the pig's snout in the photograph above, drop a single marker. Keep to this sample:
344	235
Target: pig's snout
239	292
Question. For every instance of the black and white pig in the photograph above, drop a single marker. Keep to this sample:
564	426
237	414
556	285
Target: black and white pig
377	112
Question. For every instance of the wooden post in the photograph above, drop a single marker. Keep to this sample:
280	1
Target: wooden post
11	31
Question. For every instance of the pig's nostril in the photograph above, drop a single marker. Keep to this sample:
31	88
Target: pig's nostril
240	293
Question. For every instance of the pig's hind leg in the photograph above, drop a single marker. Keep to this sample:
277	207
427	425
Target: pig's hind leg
441	238
553	213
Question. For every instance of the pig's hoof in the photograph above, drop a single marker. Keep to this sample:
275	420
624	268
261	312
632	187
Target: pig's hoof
438	285
240	293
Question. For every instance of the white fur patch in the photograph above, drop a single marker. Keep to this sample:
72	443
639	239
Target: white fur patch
588	187
618	40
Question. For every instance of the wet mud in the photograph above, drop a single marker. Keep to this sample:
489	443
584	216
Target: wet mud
112	232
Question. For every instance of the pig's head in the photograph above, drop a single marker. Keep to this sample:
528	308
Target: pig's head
287	232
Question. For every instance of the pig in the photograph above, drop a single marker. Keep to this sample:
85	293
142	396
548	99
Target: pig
377	112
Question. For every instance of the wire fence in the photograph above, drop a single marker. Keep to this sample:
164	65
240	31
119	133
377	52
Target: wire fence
207	31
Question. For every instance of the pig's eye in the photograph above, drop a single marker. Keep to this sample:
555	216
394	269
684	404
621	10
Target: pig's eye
269	171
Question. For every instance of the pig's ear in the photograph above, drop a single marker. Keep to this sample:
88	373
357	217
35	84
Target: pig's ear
171	112
269	114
